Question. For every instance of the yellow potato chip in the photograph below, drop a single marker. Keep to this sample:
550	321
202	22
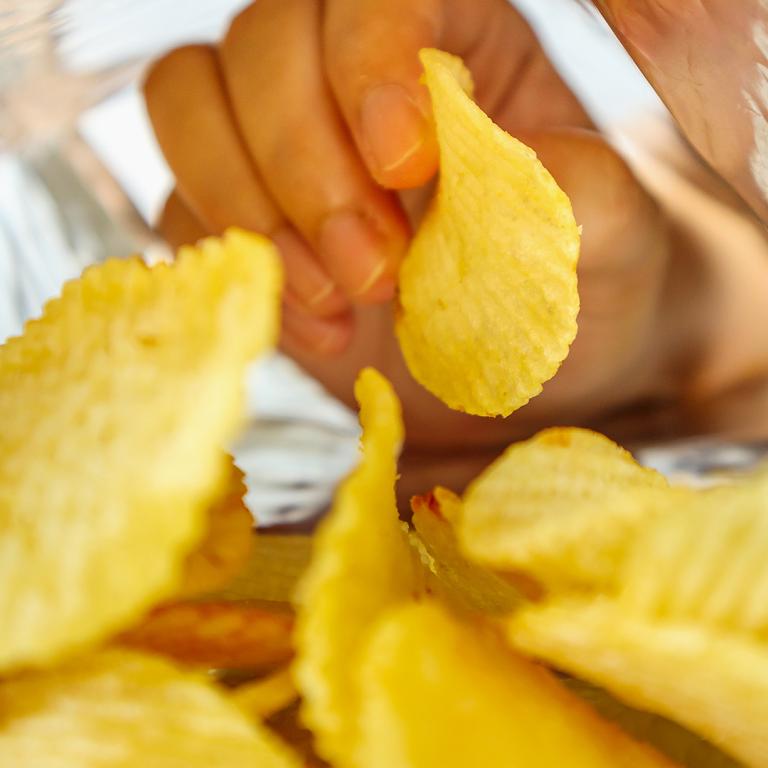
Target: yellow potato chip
115	406
361	564
216	634
488	297
707	563
119	709
437	692
228	540
561	507
464	585
264	697
711	681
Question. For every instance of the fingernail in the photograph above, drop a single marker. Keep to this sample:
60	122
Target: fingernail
394	128
360	259
305	279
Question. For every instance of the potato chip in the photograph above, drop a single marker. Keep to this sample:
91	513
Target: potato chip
560	507
274	567
119	709
268	695
713	682
464	585
437	692
361	564
228	541
217	634
115	406
488	297
707	563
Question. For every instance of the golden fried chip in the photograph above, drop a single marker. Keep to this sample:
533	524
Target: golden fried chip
361	564
464	585
560	507
274	567
217	634
228	541
119	709
437	692
713	682
488	297
115	406
707	563
264	697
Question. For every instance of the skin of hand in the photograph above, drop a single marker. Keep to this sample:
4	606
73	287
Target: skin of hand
308	123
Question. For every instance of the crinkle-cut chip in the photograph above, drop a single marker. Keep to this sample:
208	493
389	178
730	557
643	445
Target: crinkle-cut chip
217	634
713	682
706	563
561	507
228	540
361	564
464	585
439	692
120	709
115	406
488	296
274	567
264	697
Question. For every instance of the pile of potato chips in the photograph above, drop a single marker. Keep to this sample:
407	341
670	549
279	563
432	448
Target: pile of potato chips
143	623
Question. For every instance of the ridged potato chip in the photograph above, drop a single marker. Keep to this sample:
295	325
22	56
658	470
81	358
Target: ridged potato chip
464	585
361	564
228	540
216	634
706	563
713	682
560	507
119	709
487	293
438	692
115	407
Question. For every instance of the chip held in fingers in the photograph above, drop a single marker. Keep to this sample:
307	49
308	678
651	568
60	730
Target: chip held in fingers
116	405
487	293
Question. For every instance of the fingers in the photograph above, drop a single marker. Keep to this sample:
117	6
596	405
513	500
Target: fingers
217	185
372	61
177	224
289	121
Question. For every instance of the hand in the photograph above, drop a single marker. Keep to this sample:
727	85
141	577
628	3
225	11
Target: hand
308	123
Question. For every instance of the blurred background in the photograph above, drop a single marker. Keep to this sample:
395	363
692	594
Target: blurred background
81	179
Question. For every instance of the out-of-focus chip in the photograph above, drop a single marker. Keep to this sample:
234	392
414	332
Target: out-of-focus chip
119	709
707	563
464	585
361	565
275	565
561	507
227	544
711	681
115	406
221	635
488	297
264	697
436	692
